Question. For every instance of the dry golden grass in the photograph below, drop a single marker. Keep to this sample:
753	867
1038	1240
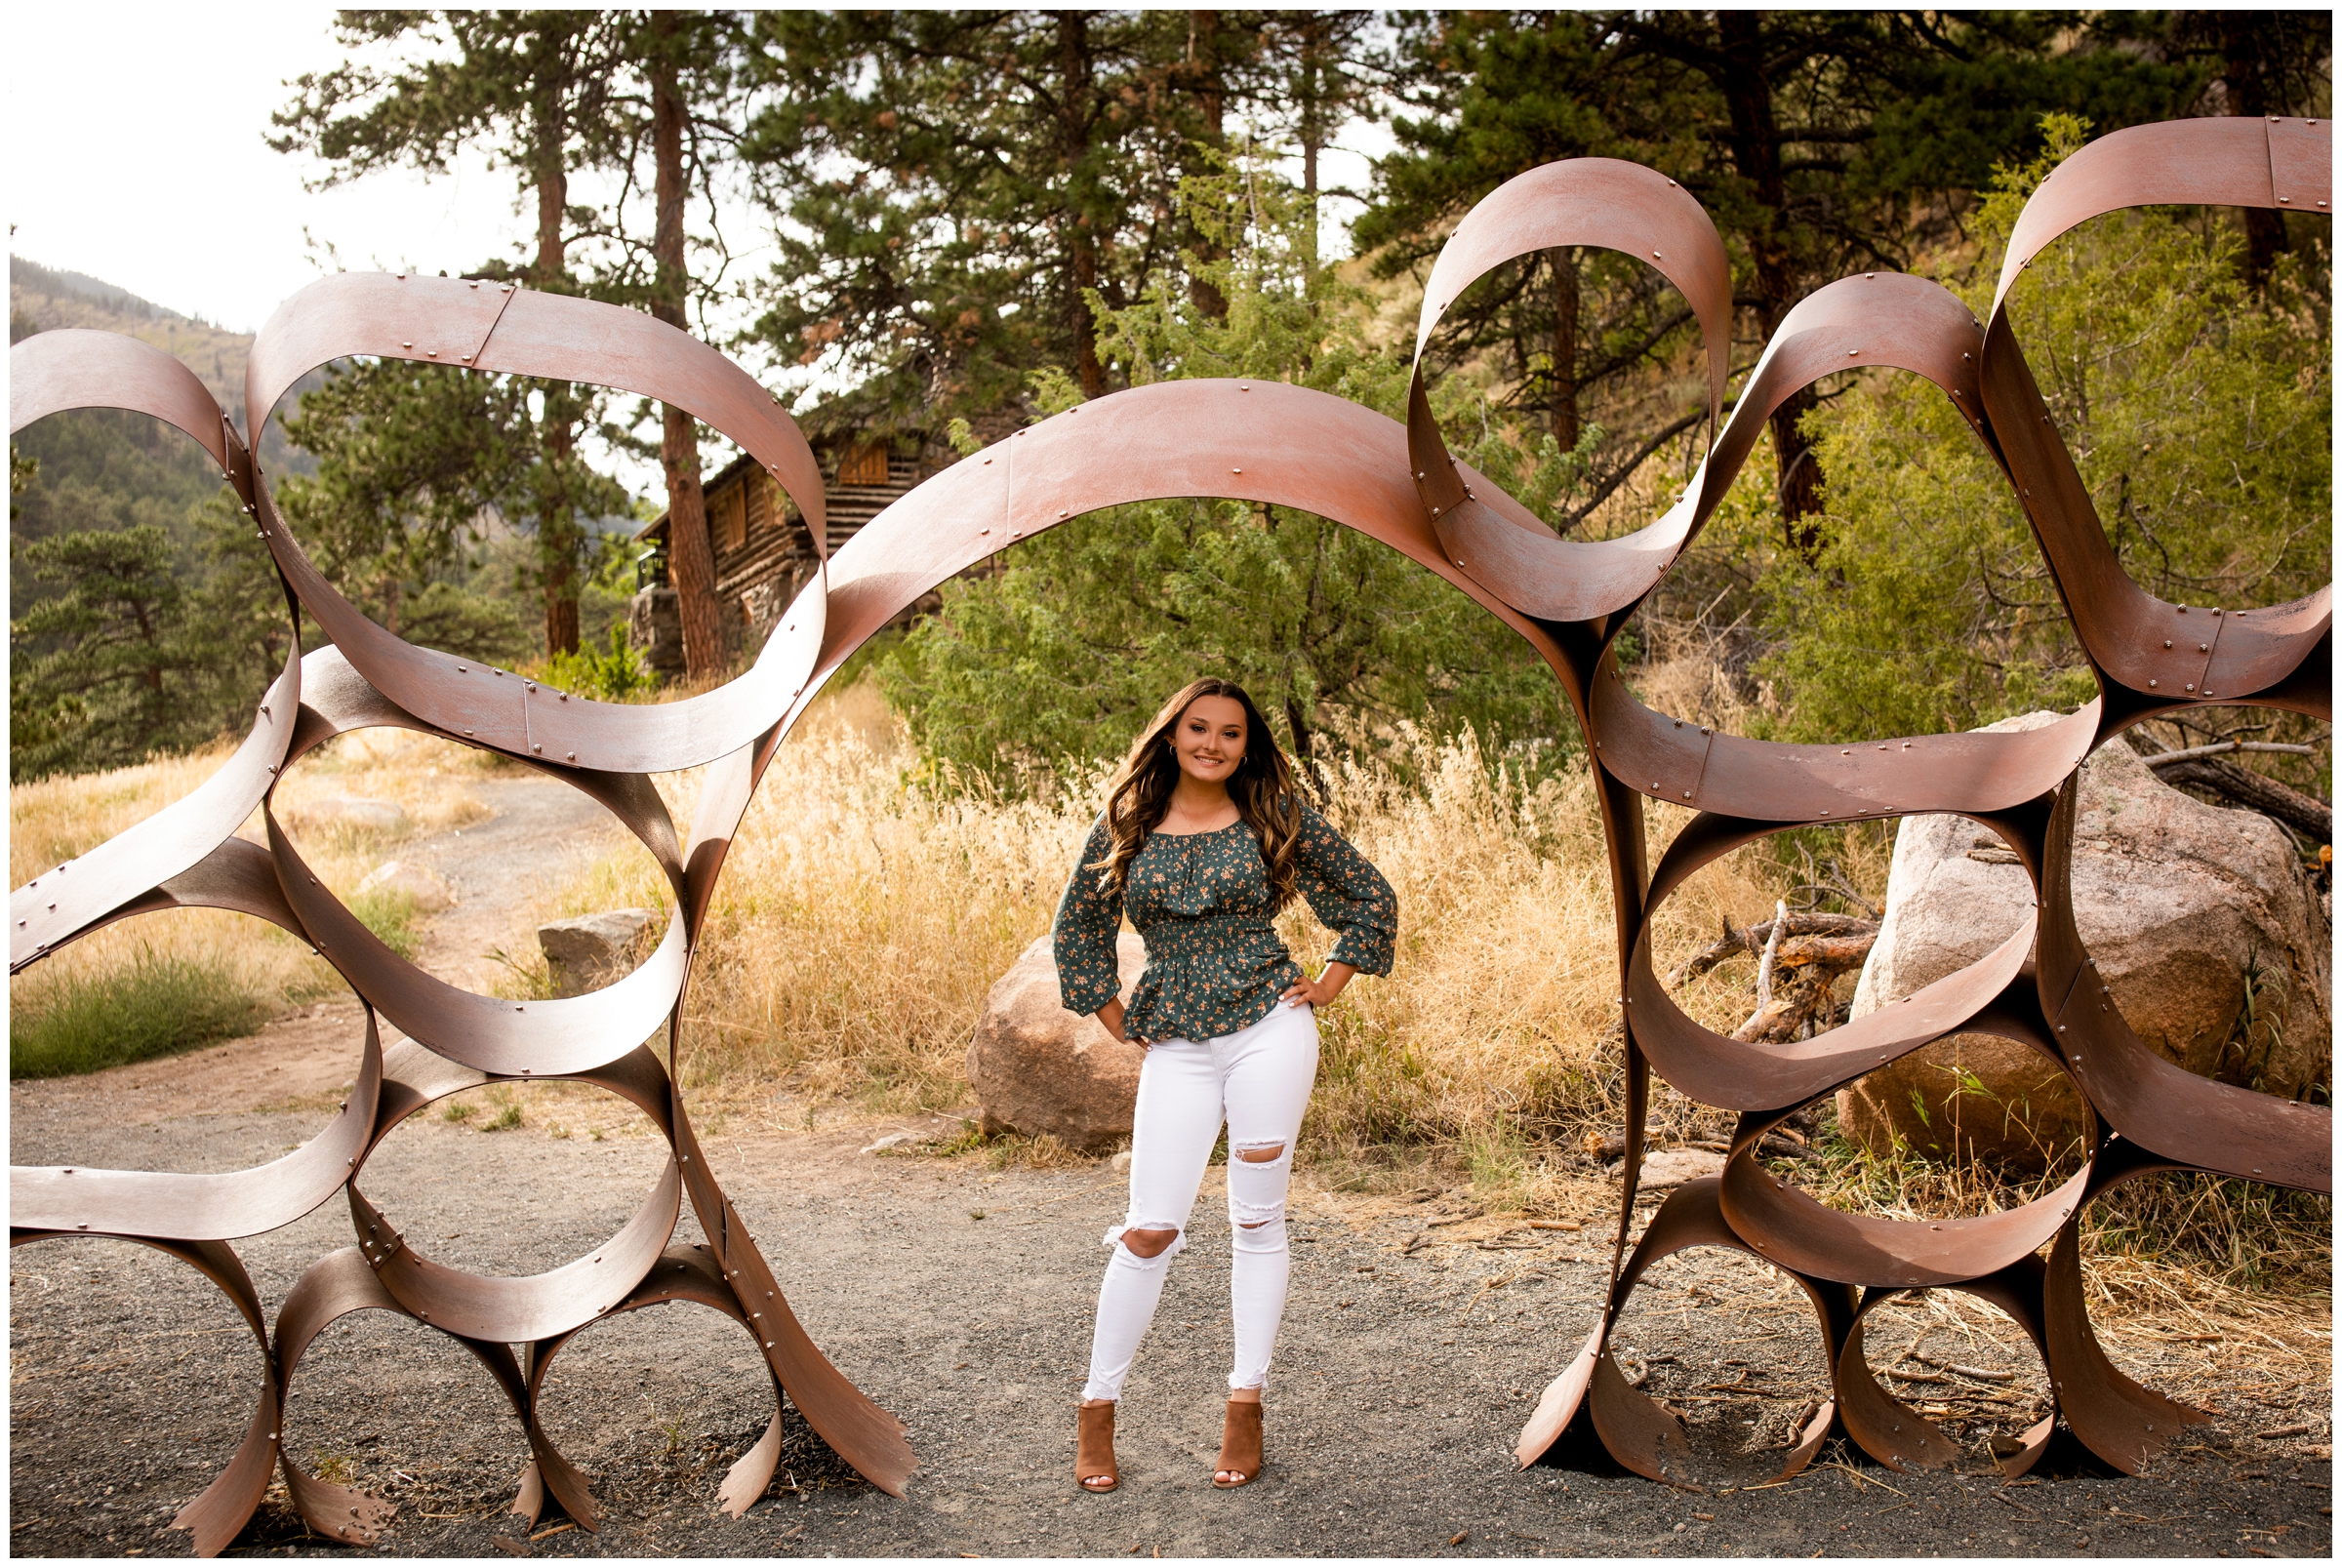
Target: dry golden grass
862	916
57	817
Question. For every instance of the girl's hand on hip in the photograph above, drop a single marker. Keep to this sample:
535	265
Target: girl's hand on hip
1110	1015
1317	992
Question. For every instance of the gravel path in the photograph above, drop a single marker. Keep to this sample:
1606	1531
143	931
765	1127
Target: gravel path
1392	1409
958	1296
540	831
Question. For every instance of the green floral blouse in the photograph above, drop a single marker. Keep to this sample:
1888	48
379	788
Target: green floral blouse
1201	900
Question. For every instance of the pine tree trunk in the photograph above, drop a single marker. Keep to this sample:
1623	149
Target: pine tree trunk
1074	67
1211	98
2244	72
1756	154
557	534
691	558
1566	301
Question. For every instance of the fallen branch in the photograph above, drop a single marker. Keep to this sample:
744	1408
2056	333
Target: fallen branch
2164	759
1838	954
1962	1370
2256	792
1734	942
1764	961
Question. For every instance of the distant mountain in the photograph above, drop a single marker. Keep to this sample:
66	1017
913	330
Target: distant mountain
41	299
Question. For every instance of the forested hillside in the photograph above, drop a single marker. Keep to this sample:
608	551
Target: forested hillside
41	299
143	615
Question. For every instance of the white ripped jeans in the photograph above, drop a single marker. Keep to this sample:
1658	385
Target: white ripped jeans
1257	1080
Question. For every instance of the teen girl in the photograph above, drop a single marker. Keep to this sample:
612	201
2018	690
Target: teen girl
1203	840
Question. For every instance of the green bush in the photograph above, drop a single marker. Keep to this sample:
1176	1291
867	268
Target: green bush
2199	415
156	1007
613	674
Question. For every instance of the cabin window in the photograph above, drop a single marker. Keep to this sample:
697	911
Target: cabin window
760	501
863	465
731	519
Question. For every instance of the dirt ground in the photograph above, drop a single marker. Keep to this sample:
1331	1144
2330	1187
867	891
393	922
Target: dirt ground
957	1295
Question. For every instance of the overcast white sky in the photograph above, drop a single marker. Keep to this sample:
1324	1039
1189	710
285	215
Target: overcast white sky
137	158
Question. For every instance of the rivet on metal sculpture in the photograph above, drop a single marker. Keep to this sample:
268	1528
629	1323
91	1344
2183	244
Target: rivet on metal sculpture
1252	441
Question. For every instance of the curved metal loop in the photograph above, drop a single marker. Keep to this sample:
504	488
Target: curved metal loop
218	1514
194	1207
77	367
1635	1428
1895	1434
1974	772
501	328
500	711
2157	656
1602	202
336	700
73	368
690	1273
560	1037
343	1283
2155	1104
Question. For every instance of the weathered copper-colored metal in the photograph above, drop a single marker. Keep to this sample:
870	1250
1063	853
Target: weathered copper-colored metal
1258	441
186	856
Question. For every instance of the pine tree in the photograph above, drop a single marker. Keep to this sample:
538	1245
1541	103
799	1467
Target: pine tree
1064	648
535	89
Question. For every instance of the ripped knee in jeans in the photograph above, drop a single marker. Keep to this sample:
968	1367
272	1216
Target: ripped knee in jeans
1257	1179
1148	1245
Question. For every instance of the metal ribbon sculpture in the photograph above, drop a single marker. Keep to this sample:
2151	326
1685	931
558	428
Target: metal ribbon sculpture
1256	441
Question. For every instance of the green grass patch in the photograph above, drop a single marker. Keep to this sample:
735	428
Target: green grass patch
391	917
155	1007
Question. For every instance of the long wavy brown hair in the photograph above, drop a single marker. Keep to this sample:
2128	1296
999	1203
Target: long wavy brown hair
1261	786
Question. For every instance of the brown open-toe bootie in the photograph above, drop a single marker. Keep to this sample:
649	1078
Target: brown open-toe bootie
1240	1445
1094	1449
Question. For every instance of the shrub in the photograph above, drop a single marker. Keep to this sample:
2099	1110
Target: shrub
612	674
156	1006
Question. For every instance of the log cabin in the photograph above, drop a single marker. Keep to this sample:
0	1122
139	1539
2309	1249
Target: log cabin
763	552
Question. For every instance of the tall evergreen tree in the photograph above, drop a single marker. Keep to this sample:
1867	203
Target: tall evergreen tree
126	670
689	61
951	187
533	89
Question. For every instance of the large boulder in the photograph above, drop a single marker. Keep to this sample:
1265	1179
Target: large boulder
1038	1069
590	951
2177	901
